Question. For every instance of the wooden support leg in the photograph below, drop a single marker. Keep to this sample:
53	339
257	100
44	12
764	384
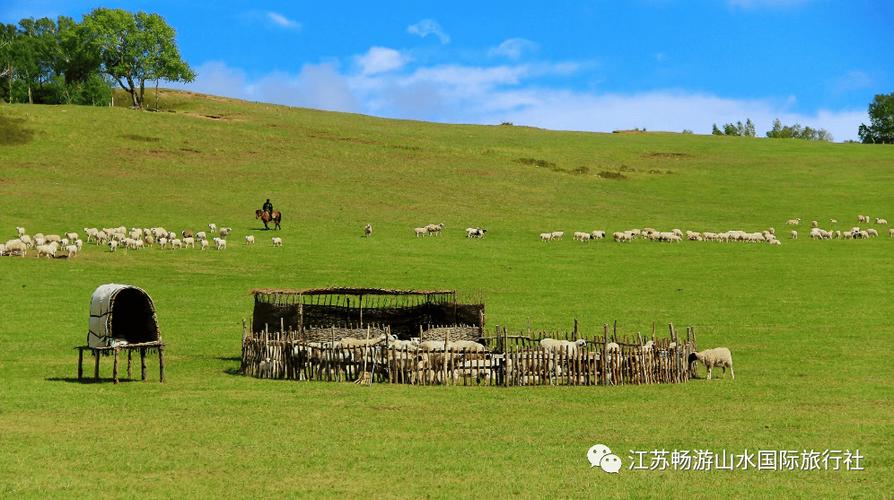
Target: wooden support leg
80	364
129	364
161	364
115	366
143	364
96	366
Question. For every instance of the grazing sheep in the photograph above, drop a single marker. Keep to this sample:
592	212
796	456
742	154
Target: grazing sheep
277	241
187	233
793	222
250	239
212	227
862	218
561	346
201	235
113	245
189	242
558	235
814	223
891	232
597	235
27	240
881	221
176	243
50	238
367	230
872	232
71	236
72	250
718	356
582	236
467	345
351	342
16	246
546	236
833	221
775	242
225	231
220	243
204	244
49	250
475	232
420	231
2	249
21	231
434	229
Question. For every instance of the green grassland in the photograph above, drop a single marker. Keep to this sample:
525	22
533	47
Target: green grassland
809	323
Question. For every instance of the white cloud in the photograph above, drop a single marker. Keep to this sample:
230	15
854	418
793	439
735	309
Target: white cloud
510	93
513	48
427	27
319	86
283	21
380	60
853	80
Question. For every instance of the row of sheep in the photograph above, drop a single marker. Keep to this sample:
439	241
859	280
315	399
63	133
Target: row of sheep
677	236
69	244
428	362
853	233
860	218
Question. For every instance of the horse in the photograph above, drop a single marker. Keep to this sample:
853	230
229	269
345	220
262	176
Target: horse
265	217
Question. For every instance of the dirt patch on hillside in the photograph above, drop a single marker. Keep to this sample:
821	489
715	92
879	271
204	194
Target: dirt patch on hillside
140	138
13	131
615	176
657	155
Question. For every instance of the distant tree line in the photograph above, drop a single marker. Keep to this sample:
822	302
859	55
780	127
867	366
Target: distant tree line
779	131
65	62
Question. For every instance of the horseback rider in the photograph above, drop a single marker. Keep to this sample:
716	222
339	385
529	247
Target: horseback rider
268	207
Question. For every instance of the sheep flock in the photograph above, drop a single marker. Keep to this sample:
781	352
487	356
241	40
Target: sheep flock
68	244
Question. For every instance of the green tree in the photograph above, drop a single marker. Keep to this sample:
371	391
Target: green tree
715	130
881	121
8	35
796	131
135	48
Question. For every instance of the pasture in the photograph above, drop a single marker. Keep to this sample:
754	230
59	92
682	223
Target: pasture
808	322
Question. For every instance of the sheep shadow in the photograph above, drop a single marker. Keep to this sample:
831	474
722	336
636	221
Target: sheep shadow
89	380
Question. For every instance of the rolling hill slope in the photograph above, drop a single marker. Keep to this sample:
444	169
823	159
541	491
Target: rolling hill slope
808	322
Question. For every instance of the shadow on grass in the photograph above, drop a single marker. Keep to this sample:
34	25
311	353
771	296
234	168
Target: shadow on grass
89	380
228	358
233	371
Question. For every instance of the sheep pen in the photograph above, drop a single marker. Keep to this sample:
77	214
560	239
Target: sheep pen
438	358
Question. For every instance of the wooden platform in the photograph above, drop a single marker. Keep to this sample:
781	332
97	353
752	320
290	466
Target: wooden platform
143	347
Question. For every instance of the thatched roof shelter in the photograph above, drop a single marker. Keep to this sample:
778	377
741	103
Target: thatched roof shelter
404	311
121	313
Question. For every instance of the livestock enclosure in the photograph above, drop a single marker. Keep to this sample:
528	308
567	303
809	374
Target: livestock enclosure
509	360
406	312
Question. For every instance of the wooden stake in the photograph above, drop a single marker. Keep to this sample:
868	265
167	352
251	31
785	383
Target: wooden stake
96	366
80	364
161	363
143	364
115	366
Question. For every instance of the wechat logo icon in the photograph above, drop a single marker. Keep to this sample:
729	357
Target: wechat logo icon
601	456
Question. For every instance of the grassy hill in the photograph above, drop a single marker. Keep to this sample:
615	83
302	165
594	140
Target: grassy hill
809	323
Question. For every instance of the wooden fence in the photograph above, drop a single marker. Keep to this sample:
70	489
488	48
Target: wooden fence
510	360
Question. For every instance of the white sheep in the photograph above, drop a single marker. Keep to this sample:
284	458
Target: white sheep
249	239
833	221
212	227
72	250
718	356
367	230
558	235
881	221
420	231
2	249
597	235
872	232
562	346
582	236
21	231
72	236
475	232
16	246
225	231
176	243
546	236
201	235
27	240
277	241
434	229
204	244
793	222
113	245
891	232
189	242
220	243
49	250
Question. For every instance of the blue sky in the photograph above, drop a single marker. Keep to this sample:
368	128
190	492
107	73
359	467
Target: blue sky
597	65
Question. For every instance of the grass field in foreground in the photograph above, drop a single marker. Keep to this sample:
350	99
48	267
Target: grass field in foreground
809	323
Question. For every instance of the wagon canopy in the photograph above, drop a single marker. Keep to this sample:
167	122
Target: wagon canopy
121	313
